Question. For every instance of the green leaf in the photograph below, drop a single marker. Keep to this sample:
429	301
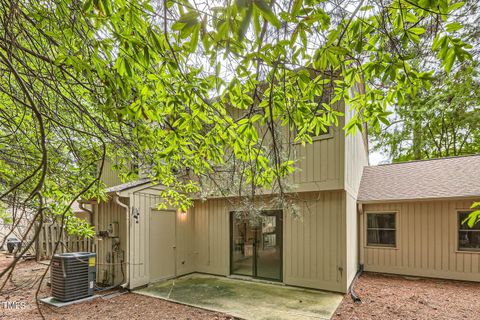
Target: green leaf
194	37
410	17
366	8
267	13
189	17
87	6
107	6
449	60
455	6
454	26
246	20
297	5
417	30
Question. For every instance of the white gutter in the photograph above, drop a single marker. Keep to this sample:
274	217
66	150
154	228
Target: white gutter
90	212
127	251
361	234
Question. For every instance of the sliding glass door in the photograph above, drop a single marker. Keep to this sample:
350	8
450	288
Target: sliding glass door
256	245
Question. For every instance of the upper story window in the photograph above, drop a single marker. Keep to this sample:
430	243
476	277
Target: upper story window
321	131
323	134
468	238
381	229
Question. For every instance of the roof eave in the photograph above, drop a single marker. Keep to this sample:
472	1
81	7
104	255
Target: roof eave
374	201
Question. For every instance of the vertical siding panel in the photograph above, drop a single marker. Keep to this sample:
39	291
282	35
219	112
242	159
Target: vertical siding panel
411	236
326	237
475	259
317	159
467	265
303	165
438	218
310	161
320	231
423	229
294	241
457	259
332	172
417	244
323	161
431	235
299	242
427	237
445	236
307	241
402	231
292	254
313	242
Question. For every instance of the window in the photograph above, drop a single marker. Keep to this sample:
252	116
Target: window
381	229
324	133
468	238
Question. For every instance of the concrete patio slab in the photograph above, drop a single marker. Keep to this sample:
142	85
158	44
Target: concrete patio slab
246	299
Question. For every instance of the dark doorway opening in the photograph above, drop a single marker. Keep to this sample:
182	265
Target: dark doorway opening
256	245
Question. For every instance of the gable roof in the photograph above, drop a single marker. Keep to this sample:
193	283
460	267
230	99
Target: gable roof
425	179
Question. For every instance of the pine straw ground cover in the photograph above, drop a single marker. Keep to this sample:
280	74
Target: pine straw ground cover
396	297
383	297
125	306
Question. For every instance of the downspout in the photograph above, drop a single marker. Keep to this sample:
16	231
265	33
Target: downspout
354	296
361	236
127	246
90	212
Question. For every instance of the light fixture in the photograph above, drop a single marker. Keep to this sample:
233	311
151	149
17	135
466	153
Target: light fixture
182	214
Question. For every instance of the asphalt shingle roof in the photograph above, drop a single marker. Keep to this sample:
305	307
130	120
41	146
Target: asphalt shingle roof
128	185
427	179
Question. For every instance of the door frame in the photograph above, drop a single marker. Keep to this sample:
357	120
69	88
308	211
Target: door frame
277	213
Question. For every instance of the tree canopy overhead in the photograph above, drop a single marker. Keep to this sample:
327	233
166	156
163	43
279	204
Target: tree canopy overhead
153	81
442	119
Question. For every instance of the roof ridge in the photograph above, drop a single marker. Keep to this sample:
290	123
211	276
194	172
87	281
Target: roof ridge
427	160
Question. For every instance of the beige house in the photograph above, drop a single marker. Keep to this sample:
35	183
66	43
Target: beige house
411	215
317	248
401	218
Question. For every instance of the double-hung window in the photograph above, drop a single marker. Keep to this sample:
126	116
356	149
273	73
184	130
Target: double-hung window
468	238
382	229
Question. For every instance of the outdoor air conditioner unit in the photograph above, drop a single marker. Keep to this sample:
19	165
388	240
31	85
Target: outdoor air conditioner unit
73	276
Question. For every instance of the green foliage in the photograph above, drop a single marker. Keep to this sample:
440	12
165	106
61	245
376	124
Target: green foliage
440	121
474	217
185	88
5	218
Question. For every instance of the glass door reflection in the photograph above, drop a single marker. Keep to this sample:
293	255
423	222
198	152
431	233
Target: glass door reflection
256	248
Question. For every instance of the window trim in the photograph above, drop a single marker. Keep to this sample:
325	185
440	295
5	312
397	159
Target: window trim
457	232
381	246
323	136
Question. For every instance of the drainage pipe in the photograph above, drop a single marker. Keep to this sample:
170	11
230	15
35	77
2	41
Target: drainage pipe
360	241
127	241
354	296
81	205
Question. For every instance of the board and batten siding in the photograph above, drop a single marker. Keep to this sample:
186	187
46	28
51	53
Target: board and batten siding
319	164
109	176
426	241
351	235
212	236
139	264
108	262
356	158
313	242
